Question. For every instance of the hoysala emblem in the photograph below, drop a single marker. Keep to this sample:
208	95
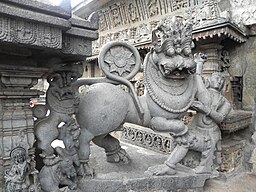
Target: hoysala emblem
173	84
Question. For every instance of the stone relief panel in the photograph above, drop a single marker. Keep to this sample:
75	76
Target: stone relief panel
243	12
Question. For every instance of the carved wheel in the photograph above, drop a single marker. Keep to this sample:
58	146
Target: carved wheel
119	59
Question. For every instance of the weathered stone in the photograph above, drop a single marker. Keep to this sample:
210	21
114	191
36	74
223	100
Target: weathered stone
110	177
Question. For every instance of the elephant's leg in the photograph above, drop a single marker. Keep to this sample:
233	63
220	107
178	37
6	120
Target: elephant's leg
84	153
114	152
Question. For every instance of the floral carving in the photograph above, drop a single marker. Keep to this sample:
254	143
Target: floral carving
120	60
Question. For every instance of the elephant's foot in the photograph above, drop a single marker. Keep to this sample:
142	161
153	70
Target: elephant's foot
85	170
119	156
162	169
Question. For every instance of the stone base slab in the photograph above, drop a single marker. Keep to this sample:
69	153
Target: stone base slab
131	178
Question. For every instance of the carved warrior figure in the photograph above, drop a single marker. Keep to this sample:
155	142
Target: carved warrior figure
203	133
170	89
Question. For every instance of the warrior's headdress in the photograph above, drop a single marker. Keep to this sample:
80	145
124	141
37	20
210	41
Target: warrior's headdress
176	36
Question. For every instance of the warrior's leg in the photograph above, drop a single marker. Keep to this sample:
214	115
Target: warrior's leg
207	158
168	168
112	148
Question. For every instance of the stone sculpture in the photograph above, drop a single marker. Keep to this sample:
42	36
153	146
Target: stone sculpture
22	176
15	177
203	132
171	87
62	102
60	124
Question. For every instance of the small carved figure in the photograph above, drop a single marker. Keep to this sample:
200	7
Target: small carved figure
69	134
142	33
132	10
15	177
116	16
153	7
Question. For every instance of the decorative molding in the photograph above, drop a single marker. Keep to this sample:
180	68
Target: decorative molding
146	138
76	46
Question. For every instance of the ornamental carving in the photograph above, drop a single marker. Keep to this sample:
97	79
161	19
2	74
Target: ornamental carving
4	27
147	139
50	37
24	32
120	60
74	45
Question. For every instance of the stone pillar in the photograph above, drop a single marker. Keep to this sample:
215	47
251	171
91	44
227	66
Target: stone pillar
212	51
16	120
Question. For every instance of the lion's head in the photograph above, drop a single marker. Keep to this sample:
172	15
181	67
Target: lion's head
174	56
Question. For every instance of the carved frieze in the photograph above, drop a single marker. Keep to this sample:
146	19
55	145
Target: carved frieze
34	34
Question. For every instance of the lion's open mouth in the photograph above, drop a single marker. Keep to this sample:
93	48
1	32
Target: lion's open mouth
173	73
